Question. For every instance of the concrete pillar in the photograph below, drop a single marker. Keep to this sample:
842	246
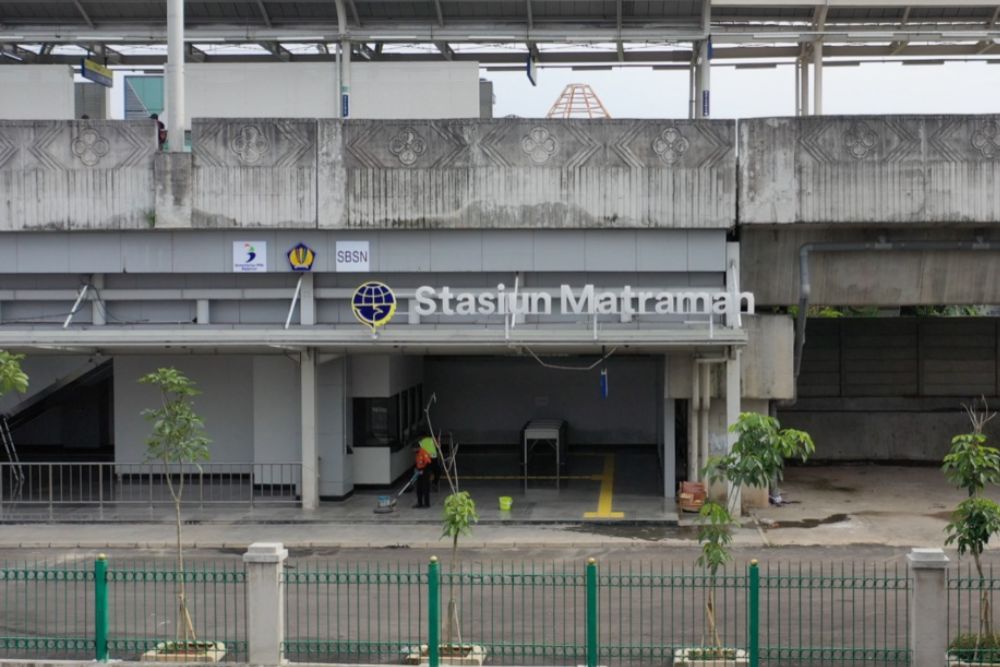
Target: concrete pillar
176	115
345	78
97	306
307	301
264	562
928	607
818	78
669	440
694	414
704	81
173	190
704	439
804	86
202	312
692	83
308	403
733	400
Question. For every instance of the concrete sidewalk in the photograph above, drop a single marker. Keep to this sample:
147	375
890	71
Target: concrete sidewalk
830	506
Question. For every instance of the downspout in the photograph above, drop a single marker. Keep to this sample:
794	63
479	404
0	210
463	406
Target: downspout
343	62
805	287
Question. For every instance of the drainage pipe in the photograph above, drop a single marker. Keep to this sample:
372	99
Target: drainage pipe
805	286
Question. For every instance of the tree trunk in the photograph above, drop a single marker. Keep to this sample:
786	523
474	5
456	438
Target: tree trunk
713	630
453	626
985	612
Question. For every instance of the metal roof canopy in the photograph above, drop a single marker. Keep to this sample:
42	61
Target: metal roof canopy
559	31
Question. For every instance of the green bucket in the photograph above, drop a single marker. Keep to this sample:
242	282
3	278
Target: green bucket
506	502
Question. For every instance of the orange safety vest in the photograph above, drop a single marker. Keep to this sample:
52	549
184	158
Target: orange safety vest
423	459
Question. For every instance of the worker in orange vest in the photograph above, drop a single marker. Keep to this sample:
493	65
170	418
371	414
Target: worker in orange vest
422	463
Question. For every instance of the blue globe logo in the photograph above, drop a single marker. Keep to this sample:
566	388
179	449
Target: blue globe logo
373	304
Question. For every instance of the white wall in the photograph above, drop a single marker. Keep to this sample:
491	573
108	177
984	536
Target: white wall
309	90
37	92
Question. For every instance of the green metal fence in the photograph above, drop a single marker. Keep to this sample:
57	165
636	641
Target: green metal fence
344	612
972	599
143	606
96	609
573	613
48	610
834	614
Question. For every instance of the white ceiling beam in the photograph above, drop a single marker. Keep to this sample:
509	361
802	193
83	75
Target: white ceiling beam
618	24
354	12
437	10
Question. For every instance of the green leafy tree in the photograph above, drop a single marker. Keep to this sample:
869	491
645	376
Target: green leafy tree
177	439
757	458
972	465
457	520
12	378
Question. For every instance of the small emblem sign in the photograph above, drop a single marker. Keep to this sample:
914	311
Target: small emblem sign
301	257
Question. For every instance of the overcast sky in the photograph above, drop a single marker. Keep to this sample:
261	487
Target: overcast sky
875	88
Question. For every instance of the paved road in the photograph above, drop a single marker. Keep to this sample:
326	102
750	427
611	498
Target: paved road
366	605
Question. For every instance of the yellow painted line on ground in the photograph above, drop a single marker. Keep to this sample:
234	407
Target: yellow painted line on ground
607	493
586	478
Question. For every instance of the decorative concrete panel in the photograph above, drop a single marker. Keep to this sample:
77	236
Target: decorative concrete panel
530	173
86	174
867	169
254	172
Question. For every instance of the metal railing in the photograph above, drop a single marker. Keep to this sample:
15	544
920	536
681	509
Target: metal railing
521	614
98	609
109	484
973	636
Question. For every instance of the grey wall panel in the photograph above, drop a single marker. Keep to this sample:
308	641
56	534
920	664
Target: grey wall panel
89	253
659	252
606	250
457	251
519	173
211	252
147	253
277	423
705	252
488	400
872	169
254	173
559	252
226	403
37	253
508	250
403	251
79	175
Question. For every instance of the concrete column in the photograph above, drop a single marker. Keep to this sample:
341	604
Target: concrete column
264	562
704	81
803	86
694	414
669	441
928	607
176	115
818	78
704	439
798	87
307	398
692	83
345	78
202	312
96	305
307	301
733	399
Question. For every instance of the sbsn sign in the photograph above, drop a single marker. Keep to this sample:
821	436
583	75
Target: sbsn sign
582	300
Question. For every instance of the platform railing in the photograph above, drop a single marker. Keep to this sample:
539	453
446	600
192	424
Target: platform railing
100	484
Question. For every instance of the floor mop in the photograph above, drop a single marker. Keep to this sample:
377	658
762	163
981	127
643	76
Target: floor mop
387	504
